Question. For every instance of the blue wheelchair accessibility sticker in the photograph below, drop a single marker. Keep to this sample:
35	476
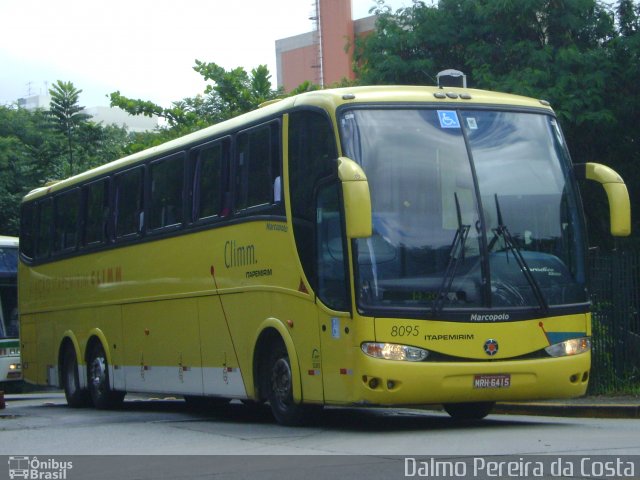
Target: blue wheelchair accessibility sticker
448	119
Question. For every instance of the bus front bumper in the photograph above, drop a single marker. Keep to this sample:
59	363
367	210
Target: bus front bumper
386	382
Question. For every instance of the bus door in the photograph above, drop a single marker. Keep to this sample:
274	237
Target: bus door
335	322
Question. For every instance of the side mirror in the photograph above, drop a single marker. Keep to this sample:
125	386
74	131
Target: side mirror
357	200
617	194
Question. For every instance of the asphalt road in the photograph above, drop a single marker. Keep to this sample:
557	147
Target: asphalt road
351	441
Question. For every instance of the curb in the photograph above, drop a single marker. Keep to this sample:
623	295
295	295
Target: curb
569	410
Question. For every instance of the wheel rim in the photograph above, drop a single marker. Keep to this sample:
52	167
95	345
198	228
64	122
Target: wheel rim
98	378
281	382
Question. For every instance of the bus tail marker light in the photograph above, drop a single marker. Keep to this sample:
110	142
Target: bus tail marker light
569	347
393	351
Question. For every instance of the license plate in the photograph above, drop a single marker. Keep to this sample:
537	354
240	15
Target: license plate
492	381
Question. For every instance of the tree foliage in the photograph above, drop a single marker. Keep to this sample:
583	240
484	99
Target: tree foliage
235	91
68	114
581	55
26	154
229	93
38	146
34	149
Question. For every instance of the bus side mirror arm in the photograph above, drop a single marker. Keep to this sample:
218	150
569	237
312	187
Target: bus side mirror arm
617	194
357	200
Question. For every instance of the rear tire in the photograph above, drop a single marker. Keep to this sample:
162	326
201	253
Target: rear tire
469	411
98	380
76	396
280	390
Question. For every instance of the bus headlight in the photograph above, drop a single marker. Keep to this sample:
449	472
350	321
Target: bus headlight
569	347
393	351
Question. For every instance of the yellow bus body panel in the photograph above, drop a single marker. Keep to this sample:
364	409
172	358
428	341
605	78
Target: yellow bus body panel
349	372
177	307
466	340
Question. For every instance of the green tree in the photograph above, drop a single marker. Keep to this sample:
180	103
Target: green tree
29	150
98	144
65	108
230	93
574	53
33	151
236	91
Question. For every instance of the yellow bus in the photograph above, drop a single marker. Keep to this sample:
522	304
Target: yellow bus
358	246
10	369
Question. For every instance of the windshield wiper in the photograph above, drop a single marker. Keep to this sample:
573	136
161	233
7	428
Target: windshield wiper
456	252
503	231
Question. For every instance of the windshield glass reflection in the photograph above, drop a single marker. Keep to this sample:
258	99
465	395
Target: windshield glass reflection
437	243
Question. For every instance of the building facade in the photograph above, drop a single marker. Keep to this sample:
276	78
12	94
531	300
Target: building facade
325	55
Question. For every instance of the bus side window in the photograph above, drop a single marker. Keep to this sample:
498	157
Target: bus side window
27	227
66	211
332	271
44	220
129	202
167	187
209	185
312	154
96	212
257	166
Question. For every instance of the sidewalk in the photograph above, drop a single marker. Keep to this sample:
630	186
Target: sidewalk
626	406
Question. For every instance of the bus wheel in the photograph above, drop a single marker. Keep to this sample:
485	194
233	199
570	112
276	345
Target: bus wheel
76	397
98	378
469	411
280	390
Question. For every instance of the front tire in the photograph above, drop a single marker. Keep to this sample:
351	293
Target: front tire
98	380
76	396
469	411
280	390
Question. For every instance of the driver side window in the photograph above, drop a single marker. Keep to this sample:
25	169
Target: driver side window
331	258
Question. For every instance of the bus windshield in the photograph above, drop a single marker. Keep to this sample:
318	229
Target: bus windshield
472	209
8	297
